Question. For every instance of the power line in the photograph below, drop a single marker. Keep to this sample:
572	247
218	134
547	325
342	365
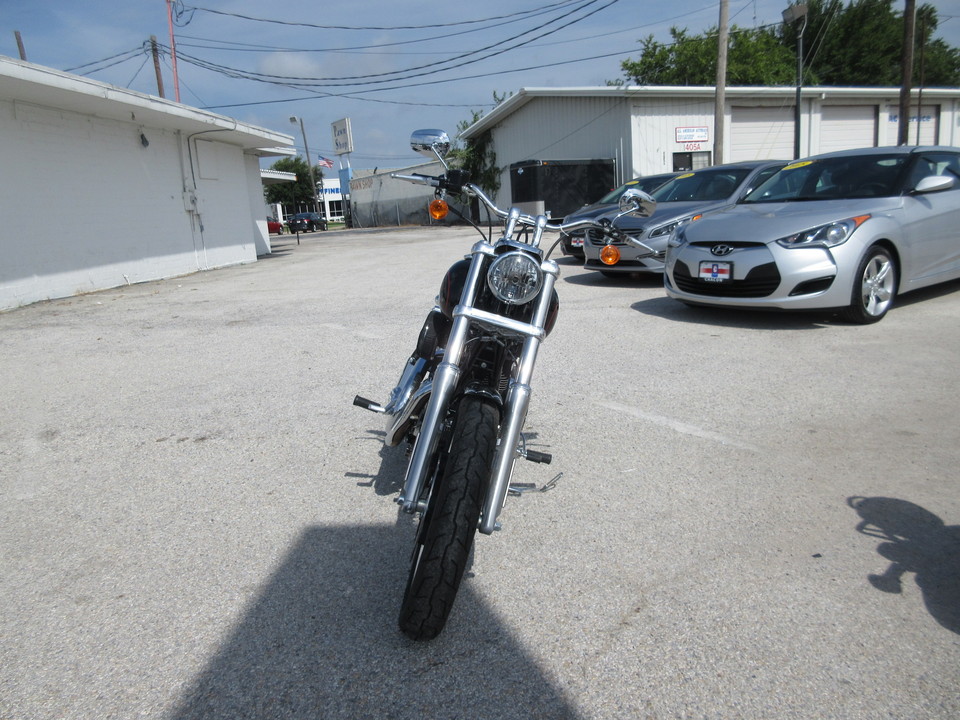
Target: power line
408	73
538	10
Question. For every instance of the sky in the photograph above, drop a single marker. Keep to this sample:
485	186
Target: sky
391	66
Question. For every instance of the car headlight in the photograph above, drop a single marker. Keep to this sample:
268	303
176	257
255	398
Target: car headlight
670	227
829	235
515	278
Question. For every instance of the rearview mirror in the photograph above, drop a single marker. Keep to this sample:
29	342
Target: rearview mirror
637	203
435	144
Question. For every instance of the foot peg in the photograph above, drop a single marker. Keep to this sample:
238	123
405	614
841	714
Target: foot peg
537	457
368	404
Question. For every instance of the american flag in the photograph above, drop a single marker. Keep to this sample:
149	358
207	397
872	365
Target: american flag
325	162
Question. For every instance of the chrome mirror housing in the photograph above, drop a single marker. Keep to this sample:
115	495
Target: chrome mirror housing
435	144
637	203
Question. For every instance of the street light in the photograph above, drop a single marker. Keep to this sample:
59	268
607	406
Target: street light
797	11
313	180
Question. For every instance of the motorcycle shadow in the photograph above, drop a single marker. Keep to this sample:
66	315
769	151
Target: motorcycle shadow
321	640
393	465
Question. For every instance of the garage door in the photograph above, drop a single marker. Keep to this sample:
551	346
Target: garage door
761	133
843	127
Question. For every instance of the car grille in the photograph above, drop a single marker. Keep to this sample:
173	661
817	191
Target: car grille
599	239
760	282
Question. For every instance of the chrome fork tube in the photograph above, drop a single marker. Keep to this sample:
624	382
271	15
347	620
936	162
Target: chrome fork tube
444	383
515	411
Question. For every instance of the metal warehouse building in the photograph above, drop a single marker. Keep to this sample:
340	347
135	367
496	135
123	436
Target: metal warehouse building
650	130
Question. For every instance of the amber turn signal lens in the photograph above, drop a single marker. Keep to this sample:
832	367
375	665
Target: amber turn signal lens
609	255
439	209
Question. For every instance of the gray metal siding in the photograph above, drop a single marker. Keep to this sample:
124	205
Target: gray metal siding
564	129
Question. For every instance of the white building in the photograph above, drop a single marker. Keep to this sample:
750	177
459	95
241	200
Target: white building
650	130
102	186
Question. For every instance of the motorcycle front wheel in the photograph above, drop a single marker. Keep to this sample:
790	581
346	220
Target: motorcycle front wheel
450	522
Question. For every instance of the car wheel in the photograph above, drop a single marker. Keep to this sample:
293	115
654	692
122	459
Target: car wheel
874	288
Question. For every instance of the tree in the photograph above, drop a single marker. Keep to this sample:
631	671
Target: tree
854	45
476	156
295	193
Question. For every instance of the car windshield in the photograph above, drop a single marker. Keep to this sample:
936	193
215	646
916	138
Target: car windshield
614	195
703	185
836	178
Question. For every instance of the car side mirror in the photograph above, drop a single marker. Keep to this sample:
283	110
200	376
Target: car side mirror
934	183
636	203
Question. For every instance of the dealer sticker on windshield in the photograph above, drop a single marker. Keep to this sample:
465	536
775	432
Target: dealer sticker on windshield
712	271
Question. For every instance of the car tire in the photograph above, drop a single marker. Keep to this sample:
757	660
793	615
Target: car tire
874	287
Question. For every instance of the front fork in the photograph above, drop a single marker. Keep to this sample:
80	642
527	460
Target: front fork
447	378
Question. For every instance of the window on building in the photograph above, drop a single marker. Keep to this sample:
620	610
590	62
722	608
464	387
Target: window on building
684	161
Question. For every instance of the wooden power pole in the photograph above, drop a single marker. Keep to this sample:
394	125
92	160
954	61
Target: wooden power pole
720	101
906	67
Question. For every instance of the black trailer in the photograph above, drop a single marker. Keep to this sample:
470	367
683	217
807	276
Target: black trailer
559	187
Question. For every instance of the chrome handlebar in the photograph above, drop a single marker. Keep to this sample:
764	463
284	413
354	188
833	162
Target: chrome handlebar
514	217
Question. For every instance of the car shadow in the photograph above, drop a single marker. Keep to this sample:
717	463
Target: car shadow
915	541
670	309
321	641
623	280
927	293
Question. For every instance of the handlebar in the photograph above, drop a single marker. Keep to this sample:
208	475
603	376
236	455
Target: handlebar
454	183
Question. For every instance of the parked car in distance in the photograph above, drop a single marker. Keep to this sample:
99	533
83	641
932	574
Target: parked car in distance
274	227
307	222
848	230
572	243
680	200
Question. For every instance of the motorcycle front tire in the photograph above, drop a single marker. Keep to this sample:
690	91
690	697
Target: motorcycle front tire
443	549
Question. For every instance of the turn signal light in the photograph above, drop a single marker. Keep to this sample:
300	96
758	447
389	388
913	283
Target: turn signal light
439	209
609	255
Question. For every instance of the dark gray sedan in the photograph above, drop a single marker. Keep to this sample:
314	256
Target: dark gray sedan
679	200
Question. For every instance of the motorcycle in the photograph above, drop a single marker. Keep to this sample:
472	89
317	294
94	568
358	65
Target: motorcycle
463	395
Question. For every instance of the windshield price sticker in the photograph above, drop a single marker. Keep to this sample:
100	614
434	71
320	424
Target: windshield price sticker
717	272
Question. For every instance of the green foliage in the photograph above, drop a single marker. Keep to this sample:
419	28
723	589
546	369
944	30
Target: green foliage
859	44
297	192
476	156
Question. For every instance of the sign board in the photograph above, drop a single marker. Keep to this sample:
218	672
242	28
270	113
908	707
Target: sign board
692	134
342	137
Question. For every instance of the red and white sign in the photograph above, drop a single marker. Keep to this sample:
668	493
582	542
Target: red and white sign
692	134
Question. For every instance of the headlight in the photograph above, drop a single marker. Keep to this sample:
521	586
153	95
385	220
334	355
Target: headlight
829	235
670	227
515	278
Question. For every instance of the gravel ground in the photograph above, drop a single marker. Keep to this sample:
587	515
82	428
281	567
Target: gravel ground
758	515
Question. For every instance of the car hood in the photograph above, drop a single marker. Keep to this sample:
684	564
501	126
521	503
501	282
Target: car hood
588	212
766	222
665	212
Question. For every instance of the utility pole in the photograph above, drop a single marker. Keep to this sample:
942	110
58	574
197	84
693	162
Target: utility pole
795	12
720	101
173	52
23	53
306	148
923	42
156	64
906	67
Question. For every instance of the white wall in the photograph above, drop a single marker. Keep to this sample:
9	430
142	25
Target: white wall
85	205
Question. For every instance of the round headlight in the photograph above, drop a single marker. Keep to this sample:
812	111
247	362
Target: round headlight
515	278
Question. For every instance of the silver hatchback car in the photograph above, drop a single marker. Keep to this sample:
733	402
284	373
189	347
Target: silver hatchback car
847	231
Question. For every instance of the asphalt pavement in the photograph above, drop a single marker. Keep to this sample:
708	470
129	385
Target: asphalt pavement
758	514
